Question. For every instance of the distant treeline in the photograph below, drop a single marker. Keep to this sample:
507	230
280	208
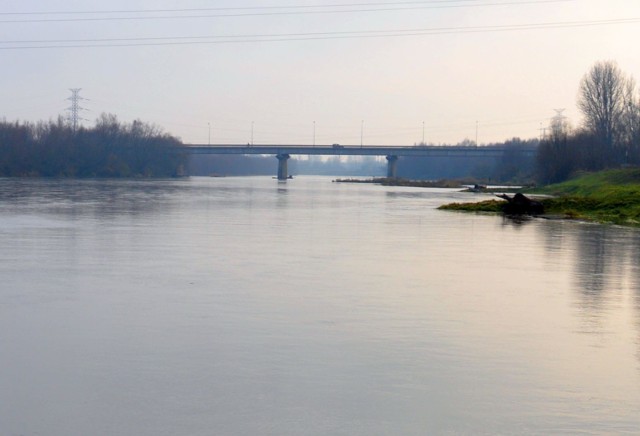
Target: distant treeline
609	136
109	149
515	165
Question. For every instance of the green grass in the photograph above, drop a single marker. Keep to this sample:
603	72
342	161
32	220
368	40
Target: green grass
611	196
492	206
603	183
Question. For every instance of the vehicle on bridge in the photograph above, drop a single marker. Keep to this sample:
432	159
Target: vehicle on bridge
337	146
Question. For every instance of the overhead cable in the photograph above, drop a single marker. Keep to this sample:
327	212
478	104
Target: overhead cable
284	37
388	7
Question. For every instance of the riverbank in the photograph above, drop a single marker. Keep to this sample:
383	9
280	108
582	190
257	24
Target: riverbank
388	181
611	197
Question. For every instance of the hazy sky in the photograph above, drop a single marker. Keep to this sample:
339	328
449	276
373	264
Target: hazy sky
380	69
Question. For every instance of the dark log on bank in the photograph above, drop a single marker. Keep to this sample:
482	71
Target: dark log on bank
521	205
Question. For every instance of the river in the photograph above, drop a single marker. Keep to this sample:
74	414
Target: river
248	306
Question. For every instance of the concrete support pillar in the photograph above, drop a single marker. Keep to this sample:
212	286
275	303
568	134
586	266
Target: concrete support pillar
392	166
283	172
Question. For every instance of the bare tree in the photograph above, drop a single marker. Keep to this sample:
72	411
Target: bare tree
602	100
631	123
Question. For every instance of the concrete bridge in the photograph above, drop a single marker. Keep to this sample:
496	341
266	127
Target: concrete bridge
284	152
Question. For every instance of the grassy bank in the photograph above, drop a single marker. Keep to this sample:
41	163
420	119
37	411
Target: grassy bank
607	197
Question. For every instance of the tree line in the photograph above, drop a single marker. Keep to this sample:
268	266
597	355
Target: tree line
609	136
514	166
109	149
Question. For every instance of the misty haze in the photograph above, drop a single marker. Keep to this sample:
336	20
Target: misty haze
319	218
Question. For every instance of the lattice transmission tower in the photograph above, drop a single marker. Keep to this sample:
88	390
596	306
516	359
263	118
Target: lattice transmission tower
559	123
75	108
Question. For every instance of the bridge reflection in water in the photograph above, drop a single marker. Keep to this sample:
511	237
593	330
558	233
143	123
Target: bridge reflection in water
392	153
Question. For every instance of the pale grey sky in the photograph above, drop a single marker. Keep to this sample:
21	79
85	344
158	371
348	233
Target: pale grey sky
377	68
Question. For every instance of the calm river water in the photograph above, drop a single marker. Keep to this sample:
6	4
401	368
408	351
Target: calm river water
245	306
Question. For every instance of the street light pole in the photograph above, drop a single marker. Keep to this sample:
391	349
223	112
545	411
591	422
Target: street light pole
361	132
476	133
209	124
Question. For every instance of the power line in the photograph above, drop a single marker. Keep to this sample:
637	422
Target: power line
132	11
283	37
449	3
390	7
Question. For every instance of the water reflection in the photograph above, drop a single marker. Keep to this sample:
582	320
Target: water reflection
634	282
592	265
515	221
554	235
605	275
247	304
99	198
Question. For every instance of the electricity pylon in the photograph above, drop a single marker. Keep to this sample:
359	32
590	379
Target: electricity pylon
75	108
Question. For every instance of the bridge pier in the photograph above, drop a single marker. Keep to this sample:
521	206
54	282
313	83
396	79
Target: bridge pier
283	171
392	166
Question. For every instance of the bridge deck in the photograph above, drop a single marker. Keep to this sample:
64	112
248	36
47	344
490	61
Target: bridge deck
369	150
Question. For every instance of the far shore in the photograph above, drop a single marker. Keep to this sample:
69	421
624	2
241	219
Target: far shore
471	185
